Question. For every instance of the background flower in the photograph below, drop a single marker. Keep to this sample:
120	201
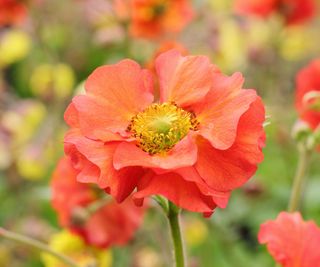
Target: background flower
105	225
308	93
291	241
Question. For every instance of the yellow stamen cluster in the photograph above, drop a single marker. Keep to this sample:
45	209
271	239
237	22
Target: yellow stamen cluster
160	126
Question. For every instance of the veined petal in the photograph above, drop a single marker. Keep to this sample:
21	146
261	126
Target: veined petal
220	111
183	80
181	155
183	193
224	170
114	94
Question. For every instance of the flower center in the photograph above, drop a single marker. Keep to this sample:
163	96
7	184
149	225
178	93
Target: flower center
160	126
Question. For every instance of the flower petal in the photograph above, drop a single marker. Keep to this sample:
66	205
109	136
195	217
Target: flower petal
220	111
97	166
181	155
114	224
183	80
219	197
71	116
292	241
224	170
183	193
114	94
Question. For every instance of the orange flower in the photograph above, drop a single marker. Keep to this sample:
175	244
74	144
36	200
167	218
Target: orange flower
293	11
308	94
199	141
109	224
291	241
153	18
11	12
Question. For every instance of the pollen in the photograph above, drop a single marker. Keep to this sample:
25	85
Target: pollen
160	126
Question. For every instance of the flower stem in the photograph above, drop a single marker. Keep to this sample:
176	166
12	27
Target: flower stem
173	217
37	244
299	179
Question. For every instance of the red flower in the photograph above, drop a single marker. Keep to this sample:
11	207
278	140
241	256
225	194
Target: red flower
308	94
153	18
291	241
11	12
293	11
111	224
199	141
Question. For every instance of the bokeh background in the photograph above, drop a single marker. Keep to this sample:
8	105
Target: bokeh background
45	58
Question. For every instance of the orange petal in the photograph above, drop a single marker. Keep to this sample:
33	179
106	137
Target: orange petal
292	241
183	80
222	108
219	197
224	170
71	116
114	94
183	193
98	165
181	155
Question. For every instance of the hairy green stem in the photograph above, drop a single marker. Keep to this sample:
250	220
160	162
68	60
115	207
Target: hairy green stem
37	244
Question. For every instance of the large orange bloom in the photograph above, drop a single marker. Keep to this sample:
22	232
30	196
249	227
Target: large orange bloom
199	141
293	11
110	224
153	18
11	12
308	94
291	241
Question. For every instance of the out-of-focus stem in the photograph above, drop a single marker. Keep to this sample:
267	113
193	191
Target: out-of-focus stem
37	244
299	179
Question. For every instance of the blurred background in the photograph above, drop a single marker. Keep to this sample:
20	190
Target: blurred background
49	47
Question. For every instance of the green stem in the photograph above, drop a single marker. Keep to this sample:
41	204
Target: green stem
37	244
173	217
299	179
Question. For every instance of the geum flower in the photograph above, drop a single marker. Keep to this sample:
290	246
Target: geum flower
308	94
291	241
107	225
198	142
154	18
292	11
11	12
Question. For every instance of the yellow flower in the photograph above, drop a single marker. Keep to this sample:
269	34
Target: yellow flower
14	46
294	46
196	232
74	247
47	80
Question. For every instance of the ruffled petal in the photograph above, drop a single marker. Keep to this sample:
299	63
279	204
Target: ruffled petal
97	165
292	241
181	155
220	111
224	170
183	193
190	174
183	80
114	94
